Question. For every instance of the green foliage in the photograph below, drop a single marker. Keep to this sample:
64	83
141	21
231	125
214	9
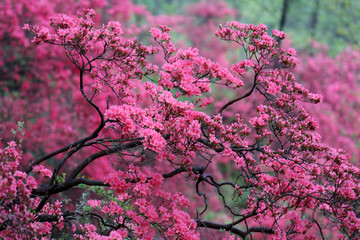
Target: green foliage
19	133
331	22
103	193
169	7
61	179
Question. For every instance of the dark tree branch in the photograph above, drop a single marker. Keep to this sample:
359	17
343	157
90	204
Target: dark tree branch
240	98
314	18
231	228
67	185
102	153
284	11
71	215
196	170
76	143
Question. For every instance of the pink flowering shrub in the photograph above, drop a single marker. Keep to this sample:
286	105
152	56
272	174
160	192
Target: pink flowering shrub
335	78
151	128
17	217
47	83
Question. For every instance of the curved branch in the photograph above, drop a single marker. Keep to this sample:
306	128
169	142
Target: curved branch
93	135
71	215
54	153
196	170
240	98
67	185
231	228
102	153
102	123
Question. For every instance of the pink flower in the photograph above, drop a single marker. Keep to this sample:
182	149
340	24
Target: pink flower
278	33
249	63
20	174
94	203
227	151
315	98
273	88
40	169
153	140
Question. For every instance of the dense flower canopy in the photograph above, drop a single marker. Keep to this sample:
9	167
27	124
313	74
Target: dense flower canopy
153	126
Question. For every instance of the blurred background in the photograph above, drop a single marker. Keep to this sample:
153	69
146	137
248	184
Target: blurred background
331	22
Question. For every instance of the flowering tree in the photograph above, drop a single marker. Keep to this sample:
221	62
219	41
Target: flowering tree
162	146
47	84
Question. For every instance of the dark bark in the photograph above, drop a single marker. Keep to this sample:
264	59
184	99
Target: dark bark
231	228
284	11
314	18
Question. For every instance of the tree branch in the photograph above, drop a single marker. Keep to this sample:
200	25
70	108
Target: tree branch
76	143
196	170
231	228
240	98
67	185
102	153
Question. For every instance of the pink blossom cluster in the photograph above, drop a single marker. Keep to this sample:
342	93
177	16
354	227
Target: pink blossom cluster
142	190
17	218
188	72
